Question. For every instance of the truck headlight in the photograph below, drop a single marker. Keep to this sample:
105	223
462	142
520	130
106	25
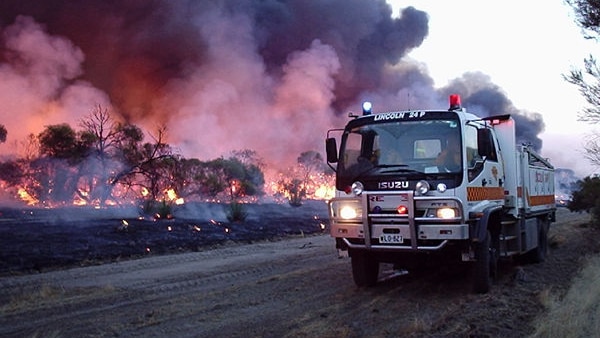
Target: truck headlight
443	213
348	212
446	213
346	209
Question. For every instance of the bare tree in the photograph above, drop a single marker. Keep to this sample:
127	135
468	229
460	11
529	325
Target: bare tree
587	14
592	149
104	132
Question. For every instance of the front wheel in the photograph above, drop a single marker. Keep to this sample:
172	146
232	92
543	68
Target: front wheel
482	271
365	268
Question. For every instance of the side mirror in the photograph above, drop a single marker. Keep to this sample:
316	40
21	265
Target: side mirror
331	150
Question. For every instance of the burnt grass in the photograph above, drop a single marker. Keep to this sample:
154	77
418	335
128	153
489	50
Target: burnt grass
35	240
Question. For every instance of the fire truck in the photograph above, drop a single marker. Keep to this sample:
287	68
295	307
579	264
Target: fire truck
427	186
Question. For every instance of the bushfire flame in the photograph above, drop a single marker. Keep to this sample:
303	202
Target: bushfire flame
172	197
26	197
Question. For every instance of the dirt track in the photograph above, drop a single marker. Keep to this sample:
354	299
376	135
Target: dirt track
294	287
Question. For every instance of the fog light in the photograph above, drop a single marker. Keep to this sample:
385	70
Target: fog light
357	188
422	188
441	187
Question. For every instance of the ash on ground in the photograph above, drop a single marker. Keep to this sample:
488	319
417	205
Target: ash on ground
36	240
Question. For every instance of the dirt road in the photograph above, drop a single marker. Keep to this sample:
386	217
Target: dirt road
291	288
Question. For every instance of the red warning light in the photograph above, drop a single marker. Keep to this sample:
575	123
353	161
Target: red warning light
454	101
402	210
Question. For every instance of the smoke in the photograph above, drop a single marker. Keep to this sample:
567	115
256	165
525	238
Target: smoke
483	98
222	75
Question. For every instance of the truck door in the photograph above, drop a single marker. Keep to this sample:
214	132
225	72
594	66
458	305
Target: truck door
484	166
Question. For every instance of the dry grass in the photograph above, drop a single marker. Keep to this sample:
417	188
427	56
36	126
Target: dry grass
578	313
32	298
46	296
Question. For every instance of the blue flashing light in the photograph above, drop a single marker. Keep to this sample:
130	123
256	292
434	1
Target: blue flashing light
367	107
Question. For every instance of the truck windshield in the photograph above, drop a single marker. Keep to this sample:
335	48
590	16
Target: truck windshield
421	146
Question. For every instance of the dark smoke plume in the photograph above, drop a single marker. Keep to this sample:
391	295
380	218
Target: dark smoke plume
484	98
270	75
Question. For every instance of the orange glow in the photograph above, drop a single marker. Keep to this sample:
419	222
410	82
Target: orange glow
26	197
79	202
172	196
318	186
324	192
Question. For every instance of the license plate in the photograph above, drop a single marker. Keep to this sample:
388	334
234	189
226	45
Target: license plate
391	239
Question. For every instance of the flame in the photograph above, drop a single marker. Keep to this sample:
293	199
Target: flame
172	196
319	186
26	197
79	201
324	192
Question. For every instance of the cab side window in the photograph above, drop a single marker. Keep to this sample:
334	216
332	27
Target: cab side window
471	146
475	156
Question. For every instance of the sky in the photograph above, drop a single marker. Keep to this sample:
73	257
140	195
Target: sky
524	47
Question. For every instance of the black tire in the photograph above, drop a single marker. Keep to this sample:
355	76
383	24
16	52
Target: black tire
538	255
494	256
365	268
482	274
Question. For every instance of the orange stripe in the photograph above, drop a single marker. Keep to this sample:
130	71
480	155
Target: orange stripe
541	200
485	193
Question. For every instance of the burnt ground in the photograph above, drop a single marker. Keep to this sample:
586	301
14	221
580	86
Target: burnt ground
36	240
283	283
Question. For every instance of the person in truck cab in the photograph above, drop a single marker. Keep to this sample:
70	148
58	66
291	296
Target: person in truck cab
449	158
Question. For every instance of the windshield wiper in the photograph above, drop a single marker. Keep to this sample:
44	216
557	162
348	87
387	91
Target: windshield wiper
397	168
401	170
392	166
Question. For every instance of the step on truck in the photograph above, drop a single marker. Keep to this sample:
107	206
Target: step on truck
422	186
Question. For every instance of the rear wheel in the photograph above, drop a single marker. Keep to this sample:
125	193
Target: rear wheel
482	269
365	268
539	254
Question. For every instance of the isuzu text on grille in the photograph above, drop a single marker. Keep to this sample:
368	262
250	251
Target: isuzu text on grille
393	185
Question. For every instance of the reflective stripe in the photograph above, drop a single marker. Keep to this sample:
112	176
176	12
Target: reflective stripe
485	193
541	200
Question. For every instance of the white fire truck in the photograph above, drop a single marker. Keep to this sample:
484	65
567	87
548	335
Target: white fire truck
422	186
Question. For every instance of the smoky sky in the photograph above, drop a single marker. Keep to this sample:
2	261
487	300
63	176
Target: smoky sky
484	98
222	75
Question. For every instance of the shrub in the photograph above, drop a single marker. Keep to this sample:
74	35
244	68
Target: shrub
236	212
158	210
587	198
